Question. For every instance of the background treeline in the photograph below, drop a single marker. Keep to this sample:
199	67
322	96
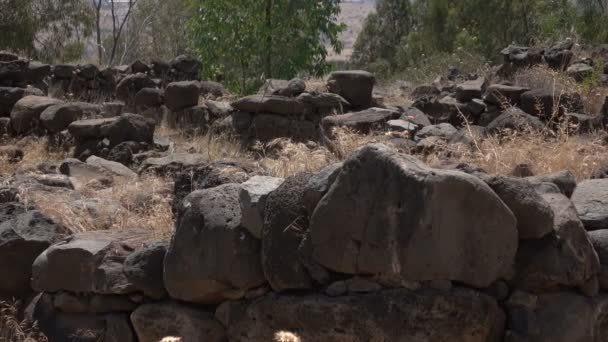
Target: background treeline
403	35
243	42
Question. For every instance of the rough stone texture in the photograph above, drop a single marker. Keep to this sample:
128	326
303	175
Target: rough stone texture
442	130
599	239
514	119
24	234
182	95
272	104
211	174
556	317
254	193
144	268
10	95
60	326
318	185
26	112
564	258
363	121
95	258
500	94
153	322
591	201
58	117
112	167
355	86
130	85
212	257
564	180
266	127
81	173
148	98
386	214
534	215
173	162
285	225
470	90
394	315
127	127
542	102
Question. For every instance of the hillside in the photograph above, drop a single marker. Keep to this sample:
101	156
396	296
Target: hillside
353	15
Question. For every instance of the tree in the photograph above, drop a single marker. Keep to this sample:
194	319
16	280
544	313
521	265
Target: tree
246	41
51	30
157	29
17	26
391	21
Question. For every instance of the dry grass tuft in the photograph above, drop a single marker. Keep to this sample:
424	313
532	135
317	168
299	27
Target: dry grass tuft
546	78
14	330
582	155
36	150
143	203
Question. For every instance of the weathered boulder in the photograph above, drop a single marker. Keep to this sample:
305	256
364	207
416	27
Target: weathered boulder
442	130
173	163
274	104
318	185
127	127
355	86
564	180
63	71
96	260
148	98
114	168
24	234
556	317
385	215
470	90
144	268
324	103
212	257
185	68
503	95
591	201
211	174
254	193
579	71
364	121
14	73
26	112
442	109
153	322
534	215
564	258
599	239
182	95
130	85
293	88
61	326
546	103
285	226
81	173
10	95
266	127
57	118
514	119
369	317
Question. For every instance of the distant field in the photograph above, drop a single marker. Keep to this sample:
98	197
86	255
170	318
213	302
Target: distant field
353	15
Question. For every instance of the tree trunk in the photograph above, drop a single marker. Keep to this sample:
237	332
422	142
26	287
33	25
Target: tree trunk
268	61
97	4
